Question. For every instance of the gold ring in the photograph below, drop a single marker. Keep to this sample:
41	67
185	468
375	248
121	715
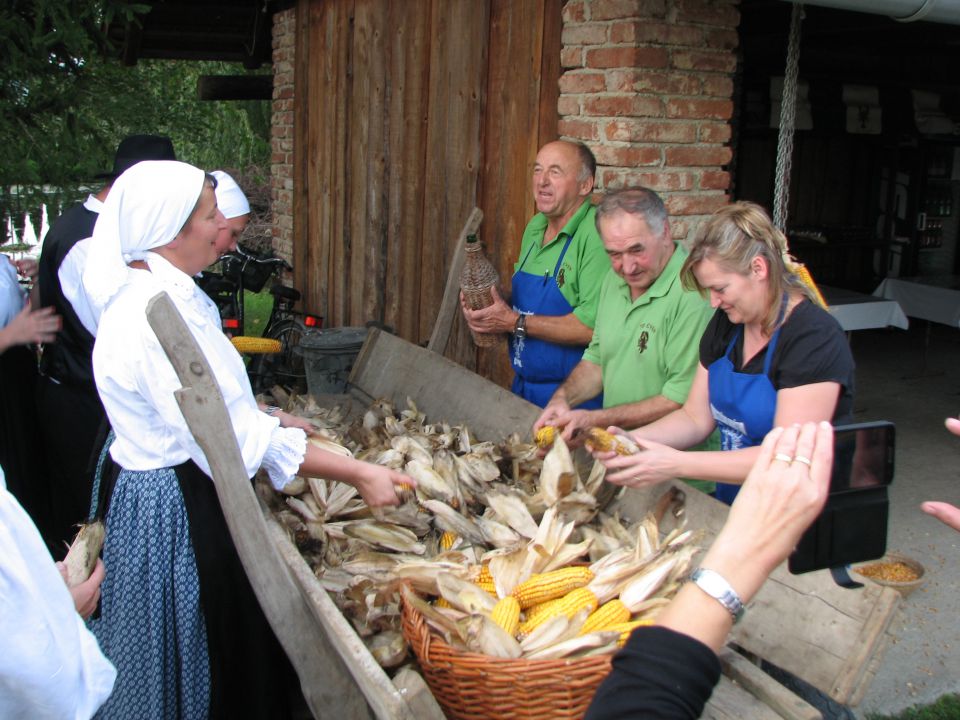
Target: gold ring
784	457
802	459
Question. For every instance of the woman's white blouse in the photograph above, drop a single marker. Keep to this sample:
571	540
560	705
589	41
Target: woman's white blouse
136	382
11	294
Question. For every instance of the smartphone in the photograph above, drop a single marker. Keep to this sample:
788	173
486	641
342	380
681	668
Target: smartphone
853	524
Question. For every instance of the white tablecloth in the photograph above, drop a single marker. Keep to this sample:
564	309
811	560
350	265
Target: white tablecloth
857	311
935	298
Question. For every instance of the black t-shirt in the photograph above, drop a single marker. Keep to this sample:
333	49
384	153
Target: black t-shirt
659	673
812	348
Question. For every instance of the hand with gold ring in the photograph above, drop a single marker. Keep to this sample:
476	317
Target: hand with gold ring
783	457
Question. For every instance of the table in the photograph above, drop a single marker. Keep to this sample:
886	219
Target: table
935	298
857	311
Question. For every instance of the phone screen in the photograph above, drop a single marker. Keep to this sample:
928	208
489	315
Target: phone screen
853	525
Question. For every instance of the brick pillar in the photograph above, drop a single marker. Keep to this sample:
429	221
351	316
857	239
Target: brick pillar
648	85
281	133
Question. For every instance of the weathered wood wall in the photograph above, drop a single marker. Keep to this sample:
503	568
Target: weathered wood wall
408	114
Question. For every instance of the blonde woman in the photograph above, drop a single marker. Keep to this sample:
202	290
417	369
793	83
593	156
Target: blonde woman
770	357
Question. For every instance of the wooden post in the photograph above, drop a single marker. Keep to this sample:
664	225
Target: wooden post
324	676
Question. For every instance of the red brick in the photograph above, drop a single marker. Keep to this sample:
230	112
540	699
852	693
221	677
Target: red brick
582	82
627	57
660	181
708	12
695	203
704	61
715	132
679	230
638	31
614	9
568	105
571	57
626	156
584	33
720	39
699	156
700	109
658	83
718	86
283	92
277	158
714	180
619	105
650	131
574	11
581	129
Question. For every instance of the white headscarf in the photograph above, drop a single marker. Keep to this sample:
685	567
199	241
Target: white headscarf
230	198
146	208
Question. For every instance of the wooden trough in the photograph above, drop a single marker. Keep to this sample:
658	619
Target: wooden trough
830	637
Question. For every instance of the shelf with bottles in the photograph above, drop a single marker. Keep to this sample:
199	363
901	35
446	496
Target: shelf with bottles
931	234
938	200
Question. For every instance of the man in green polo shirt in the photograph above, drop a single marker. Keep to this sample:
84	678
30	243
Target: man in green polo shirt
556	281
645	347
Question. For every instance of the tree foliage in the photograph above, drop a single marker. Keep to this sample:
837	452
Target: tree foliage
68	101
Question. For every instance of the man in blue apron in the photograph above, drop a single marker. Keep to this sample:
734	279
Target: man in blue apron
644	352
556	281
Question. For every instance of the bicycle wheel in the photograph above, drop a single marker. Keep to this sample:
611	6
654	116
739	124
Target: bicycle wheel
286	367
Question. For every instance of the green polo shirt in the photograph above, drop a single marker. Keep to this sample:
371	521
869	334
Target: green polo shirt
584	265
651	345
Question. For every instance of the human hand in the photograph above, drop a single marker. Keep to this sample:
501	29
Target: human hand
33	326
953	425
946	513
86	595
28	268
379	485
288	420
655	463
778	501
497	318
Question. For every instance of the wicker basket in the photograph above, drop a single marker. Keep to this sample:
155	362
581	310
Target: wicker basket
471	686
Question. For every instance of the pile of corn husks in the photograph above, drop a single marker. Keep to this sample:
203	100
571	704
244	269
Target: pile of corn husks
486	521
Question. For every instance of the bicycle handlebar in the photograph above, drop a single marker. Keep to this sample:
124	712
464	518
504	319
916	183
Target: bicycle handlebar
250	256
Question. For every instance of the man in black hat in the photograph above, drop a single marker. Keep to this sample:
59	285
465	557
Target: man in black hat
72	420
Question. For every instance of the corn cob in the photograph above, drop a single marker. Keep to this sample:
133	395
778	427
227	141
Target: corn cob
82	556
487	585
599	440
506	614
404	493
448	539
442	602
626	628
568	605
611	613
258	345
546	586
545	436
485	575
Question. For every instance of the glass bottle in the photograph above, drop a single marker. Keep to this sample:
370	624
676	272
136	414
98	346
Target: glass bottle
476	278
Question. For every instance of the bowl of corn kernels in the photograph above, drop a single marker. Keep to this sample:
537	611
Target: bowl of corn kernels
894	570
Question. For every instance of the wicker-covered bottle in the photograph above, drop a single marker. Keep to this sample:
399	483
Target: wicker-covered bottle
476	278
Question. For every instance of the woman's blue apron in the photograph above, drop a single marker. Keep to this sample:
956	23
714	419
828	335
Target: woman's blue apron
540	366
743	404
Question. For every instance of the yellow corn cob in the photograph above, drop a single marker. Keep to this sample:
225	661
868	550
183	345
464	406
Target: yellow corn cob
546	586
626	628
545	436
404	493
611	613
568	605
506	614
442	603
599	440
448	538
484	575
248	344
487	585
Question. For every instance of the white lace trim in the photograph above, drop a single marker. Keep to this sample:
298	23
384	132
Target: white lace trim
288	447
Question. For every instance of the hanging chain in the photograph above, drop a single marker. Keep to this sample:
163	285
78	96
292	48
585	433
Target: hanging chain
788	107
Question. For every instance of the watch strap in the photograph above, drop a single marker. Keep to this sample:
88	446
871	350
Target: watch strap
716	586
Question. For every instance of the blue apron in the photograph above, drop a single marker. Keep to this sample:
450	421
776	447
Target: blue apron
541	366
743	404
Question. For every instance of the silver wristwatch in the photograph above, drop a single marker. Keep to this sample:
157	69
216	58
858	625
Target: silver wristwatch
520	329
714	585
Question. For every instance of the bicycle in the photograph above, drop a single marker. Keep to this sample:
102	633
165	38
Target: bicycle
270	364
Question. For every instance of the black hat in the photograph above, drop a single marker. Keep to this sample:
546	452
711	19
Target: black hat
135	148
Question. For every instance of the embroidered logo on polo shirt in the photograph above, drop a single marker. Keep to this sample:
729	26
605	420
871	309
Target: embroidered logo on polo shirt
642	341
561	278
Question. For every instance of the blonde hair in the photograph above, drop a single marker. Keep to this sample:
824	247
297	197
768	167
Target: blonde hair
732	238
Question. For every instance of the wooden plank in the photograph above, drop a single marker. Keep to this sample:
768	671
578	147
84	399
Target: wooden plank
731	702
388	366
763	687
324	677
450	304
805	624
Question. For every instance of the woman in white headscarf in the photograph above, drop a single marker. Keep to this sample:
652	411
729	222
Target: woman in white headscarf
235	207
178	617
